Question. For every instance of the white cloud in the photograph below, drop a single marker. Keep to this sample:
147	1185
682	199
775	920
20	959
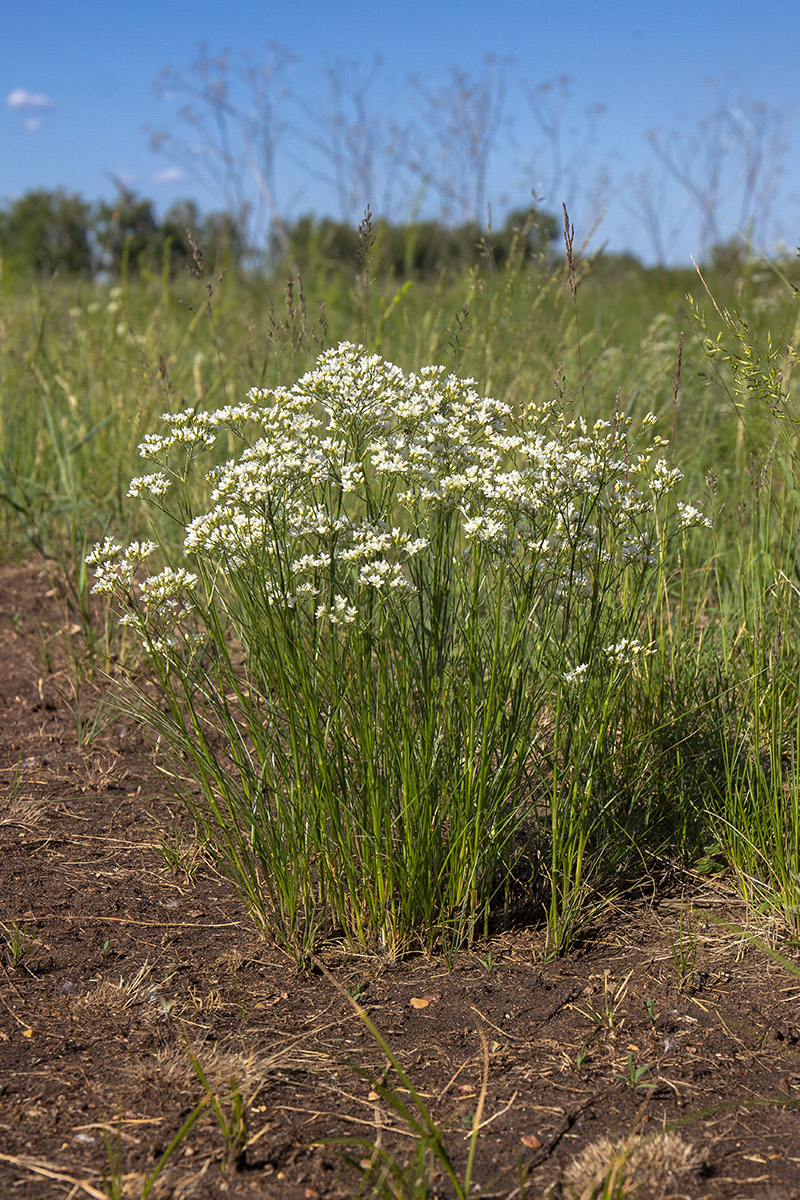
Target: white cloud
23	99
169	175
31	124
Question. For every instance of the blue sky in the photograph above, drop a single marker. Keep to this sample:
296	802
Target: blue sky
78	99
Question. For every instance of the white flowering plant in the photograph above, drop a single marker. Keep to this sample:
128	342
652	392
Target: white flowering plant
397	589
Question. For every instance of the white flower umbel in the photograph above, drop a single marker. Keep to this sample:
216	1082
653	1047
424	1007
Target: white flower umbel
688	515
368	640
339	613
186	429
575	674
625	651
115	565
155	485
167	585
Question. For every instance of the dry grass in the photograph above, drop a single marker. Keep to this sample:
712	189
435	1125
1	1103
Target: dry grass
647	1167
251	1067
141	988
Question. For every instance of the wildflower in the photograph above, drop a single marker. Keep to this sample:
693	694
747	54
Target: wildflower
485	529
188	428
339	613
576	674
345	478
105	550
155	485
623	652
115	565
379	573
641	549
689	515
231	414
664	477
167	585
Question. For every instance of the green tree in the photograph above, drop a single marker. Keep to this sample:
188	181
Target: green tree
126	232
47	231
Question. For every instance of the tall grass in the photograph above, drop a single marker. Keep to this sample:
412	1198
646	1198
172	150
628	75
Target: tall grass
759	586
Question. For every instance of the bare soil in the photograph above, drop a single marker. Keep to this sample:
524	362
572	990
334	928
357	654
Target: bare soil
114	966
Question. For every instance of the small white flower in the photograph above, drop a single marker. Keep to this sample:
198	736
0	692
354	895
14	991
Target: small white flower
623	652
664	477
137	552
485	529
155	485
168	584
688	515
339	613
576	673
231	414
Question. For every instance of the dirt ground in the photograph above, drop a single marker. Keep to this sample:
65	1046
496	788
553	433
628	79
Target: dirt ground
116	966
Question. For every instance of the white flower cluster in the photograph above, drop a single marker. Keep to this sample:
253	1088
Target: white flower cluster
620	654
154	486
344	479
168	589
165	598
688	515
623	652
189	429
664	477
116	565
338	613
576	673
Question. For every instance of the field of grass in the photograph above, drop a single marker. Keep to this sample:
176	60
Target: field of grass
515	734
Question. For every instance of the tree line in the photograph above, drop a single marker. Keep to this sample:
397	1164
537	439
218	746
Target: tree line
47	232
417	249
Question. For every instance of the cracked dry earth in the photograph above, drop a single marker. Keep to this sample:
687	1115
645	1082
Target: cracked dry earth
116	968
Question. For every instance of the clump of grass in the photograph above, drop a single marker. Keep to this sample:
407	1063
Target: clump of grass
654	1167
231	1117
412	629
17	809
18	941
683	949
180	854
